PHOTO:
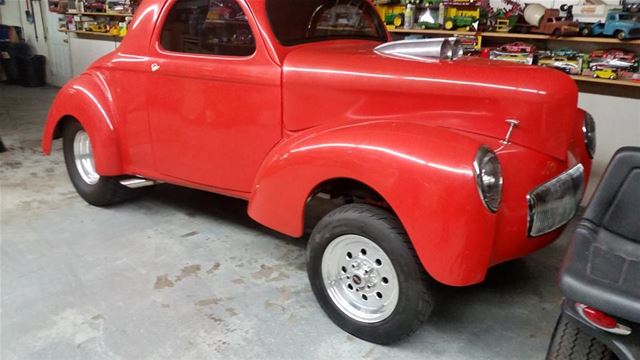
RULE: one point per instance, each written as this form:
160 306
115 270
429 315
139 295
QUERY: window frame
380 26
161 22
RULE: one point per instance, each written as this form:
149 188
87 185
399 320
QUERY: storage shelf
99 14
606 81
520 36
91 33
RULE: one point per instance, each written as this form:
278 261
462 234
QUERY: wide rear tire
95 189
366 275
569 342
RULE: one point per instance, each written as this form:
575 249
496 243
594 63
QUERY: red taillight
601 320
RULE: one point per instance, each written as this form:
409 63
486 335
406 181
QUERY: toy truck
461 13
620 24
548 21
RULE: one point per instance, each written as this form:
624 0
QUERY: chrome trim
585 132
136 183
422 49
512 125
532 203
477 173
83 158
619 330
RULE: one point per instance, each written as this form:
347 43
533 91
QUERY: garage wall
13 13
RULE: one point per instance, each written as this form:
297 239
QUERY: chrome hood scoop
422 49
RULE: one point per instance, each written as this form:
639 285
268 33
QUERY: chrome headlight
589 131
488 176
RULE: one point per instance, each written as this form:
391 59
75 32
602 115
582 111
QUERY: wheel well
60 126
331 194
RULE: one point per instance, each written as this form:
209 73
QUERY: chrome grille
556 202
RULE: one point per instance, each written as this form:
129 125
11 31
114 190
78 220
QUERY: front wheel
569 342
366 276
78 156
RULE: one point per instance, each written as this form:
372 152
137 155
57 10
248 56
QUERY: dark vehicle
600 276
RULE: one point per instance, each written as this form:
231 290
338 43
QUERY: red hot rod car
418 163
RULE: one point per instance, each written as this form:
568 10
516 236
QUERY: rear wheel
449 24
620 35
366 276
569 342
95 189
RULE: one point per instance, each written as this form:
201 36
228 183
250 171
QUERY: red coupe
410 163
518 47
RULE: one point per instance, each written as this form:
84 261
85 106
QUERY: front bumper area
553 204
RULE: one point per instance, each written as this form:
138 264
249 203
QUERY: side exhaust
137 183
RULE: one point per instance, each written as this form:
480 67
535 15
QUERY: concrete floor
186 274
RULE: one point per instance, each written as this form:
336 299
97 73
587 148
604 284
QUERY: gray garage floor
186 274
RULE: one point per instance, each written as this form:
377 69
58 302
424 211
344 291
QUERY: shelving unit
90 33
99 14
507 37
603 40
606 81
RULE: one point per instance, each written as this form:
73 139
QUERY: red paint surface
271 127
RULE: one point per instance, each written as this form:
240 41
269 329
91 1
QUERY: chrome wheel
360 278
83 157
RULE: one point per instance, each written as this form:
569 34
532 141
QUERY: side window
213 27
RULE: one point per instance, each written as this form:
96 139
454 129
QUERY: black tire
107 191
415 299
620 35
569 342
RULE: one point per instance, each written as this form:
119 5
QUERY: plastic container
33 71
10 55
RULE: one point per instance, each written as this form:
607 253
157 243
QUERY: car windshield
302 21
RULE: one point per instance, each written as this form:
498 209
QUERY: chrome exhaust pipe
137 183
440 48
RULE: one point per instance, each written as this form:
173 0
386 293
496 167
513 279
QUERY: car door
213 94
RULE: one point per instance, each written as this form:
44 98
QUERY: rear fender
424 173
87 100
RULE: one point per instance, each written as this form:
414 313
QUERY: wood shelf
93 33
99 14
588 39
634 83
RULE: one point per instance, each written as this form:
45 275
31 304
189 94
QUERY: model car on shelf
490 169
622 25
518 47
599 278
615 58
515 57
564 52
570 65
605 73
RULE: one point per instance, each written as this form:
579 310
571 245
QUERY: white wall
617 125
13 13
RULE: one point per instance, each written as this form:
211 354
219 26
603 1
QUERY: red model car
418 163
518 47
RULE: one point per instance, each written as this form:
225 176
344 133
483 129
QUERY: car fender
424 173
88 100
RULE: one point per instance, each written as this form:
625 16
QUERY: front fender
424 173
87 99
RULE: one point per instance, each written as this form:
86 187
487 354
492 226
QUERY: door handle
155 67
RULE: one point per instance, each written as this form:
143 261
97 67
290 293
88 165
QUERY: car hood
347 81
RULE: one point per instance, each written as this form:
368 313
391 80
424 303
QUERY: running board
136 183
